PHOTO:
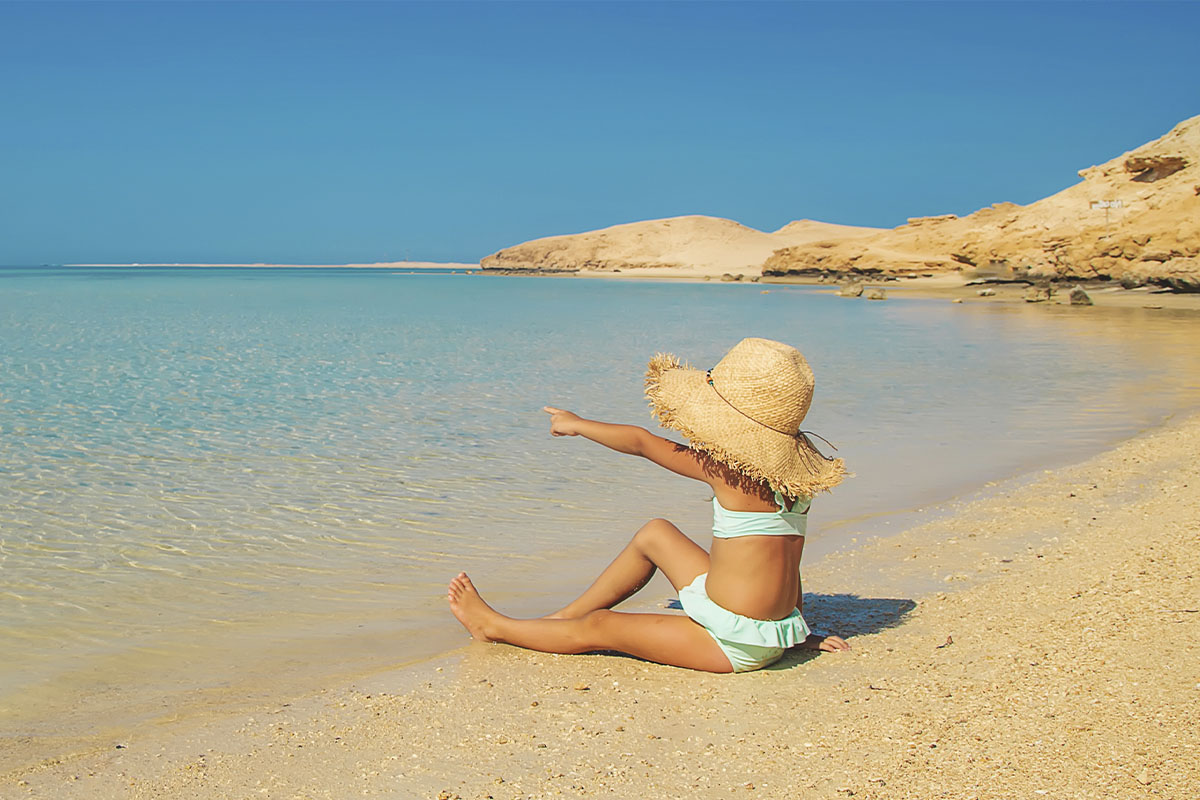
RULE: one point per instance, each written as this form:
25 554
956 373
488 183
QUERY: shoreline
948 286
1027 608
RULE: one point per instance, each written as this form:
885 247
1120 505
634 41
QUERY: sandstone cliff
1149 233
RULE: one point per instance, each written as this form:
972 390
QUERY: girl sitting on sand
743 600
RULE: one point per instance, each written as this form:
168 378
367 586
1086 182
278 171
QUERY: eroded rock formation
1135 219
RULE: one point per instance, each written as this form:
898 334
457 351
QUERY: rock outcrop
1135 219
1078 297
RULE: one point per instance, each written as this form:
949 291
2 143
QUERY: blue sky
341 132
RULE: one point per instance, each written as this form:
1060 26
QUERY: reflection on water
250 479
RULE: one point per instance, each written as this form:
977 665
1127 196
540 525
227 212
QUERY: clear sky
352 132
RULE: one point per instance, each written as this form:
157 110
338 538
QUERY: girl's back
754 575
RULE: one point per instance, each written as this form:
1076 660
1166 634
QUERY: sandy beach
1051 650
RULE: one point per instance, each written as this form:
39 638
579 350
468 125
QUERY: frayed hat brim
682 399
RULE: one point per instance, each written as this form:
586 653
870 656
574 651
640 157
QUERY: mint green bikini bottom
748 643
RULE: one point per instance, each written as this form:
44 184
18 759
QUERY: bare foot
469 607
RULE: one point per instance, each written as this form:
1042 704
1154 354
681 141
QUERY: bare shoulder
738 492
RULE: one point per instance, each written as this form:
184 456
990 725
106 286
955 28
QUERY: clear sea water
219 484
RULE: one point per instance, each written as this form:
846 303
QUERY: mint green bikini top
731 524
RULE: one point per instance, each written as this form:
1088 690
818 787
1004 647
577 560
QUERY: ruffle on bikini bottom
725 624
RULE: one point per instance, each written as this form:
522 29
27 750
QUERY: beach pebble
956 300
581 687
1143 777
986 293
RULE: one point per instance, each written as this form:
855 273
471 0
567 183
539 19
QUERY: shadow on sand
846 615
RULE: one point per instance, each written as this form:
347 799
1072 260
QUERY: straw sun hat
746 412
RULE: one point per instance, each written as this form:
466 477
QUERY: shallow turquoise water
233 478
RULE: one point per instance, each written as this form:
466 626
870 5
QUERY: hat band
708 377
796 435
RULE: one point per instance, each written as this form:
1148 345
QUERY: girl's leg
662 638
657 544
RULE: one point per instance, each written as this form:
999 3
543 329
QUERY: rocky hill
694 244
1135 219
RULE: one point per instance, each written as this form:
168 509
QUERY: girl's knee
594 620
655 529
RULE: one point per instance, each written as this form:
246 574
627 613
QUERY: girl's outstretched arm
632 440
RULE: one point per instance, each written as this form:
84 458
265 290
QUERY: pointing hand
562 423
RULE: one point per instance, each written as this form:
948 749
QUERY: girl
743 600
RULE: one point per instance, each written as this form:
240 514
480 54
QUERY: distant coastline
1130 222
377 265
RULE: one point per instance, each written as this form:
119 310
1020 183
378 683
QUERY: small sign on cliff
1107 205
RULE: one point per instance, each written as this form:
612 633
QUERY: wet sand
1052 651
